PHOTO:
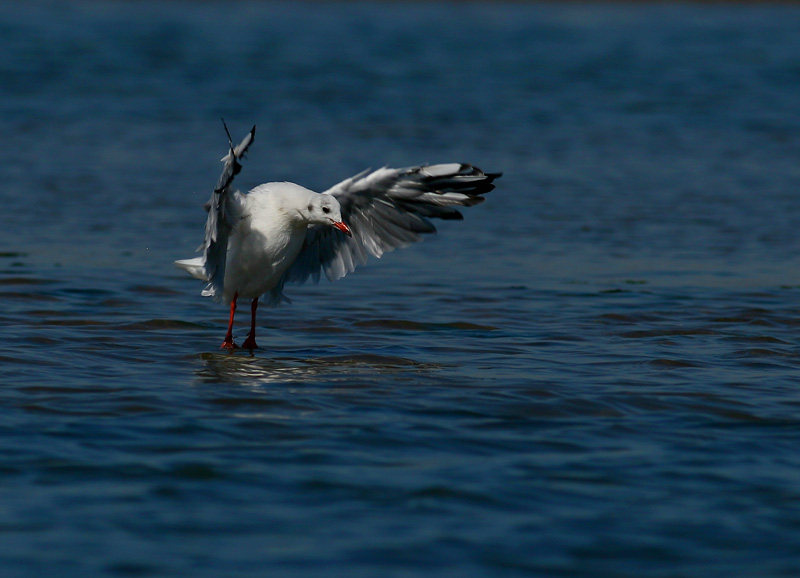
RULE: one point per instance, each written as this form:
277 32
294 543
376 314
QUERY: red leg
250 342
228 343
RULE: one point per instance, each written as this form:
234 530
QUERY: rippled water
595 374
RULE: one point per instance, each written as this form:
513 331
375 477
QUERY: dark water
595 374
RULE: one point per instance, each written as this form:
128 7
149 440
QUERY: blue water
597 373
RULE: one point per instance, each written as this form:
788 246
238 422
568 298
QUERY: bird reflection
226 368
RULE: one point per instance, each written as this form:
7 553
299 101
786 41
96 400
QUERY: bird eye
326 210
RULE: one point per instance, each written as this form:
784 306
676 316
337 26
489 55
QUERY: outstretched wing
220 220
387 209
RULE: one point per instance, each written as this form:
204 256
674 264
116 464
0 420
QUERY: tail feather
195 267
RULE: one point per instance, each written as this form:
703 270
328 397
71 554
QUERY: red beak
343 228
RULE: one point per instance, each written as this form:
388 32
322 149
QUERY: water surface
595 374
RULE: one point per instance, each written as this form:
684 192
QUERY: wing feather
387 209
223 209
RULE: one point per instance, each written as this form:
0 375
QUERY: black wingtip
227 132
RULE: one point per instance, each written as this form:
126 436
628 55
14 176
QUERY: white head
325 210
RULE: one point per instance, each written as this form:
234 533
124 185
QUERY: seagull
280 232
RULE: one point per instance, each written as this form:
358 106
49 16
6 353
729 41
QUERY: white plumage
281 232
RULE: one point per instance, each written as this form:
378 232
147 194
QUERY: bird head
325 210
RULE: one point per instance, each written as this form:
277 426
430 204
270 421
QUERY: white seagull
281 232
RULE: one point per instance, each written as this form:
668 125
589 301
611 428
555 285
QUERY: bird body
282 232
266 241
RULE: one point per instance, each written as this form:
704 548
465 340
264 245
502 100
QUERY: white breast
265 241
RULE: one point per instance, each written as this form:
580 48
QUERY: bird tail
195 267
